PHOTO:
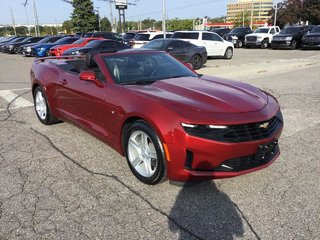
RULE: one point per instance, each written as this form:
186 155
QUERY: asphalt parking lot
58 182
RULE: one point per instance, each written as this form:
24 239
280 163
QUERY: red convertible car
167 120
59 50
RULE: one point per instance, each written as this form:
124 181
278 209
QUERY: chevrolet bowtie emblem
264 125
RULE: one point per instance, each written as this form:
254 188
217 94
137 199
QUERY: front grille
264 155
251 38
251 132
239 133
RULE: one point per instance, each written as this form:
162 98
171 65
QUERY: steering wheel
149 66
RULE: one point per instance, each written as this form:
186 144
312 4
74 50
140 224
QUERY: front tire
264 44
228 54
196 62
144 153
240 44
294 44
42 108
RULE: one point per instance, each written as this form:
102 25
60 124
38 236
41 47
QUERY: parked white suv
261 37
214 44
143 38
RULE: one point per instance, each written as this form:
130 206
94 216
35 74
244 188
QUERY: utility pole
13 23
164 14
35 18
25 10
251 20
111 18
275 15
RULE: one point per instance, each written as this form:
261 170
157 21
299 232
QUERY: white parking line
18 102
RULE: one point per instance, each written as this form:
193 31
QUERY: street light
164 13
25 10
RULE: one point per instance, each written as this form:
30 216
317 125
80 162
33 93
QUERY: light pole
251 19
13 23
164 13
275 14
25 10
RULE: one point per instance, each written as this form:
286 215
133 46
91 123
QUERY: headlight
288 38
213 132
11 46
260 37
28 48
234 37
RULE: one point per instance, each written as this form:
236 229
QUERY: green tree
83 18
311 11
67 26
289 12
243 19
105 24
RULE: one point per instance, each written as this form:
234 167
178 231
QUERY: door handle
63 81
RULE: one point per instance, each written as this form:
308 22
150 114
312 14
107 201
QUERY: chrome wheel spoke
142 154
41 106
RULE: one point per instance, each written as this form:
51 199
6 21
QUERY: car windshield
156 44
45 40
94 43
17 40
316 30
262 30
129 36
237 30
64 40
145 67
81 40
142 37
290 30
26 40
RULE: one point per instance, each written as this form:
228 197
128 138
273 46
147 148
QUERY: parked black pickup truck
237 36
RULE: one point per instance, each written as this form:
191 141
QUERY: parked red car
166 119
59 50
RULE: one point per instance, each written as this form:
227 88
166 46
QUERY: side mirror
87 76
90 76
188 65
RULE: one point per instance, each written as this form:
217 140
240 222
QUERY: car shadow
201 211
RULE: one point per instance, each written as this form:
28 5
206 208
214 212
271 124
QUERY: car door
82 102
177 49
214 44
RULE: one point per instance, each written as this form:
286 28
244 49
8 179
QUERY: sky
57 11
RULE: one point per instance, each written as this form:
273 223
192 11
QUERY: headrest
90 62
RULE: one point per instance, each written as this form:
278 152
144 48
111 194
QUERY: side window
210 37
272 31
176 45
157 36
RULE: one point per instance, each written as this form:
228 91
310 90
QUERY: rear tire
42 108
196 62
144 153
228 54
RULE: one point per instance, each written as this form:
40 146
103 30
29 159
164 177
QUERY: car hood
286 35
234 34
206 94
312 35
257 34
67 46
45 45
29 45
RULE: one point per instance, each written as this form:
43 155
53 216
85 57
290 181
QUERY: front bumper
202 159
253 44
281 44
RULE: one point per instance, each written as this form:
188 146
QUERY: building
261 10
